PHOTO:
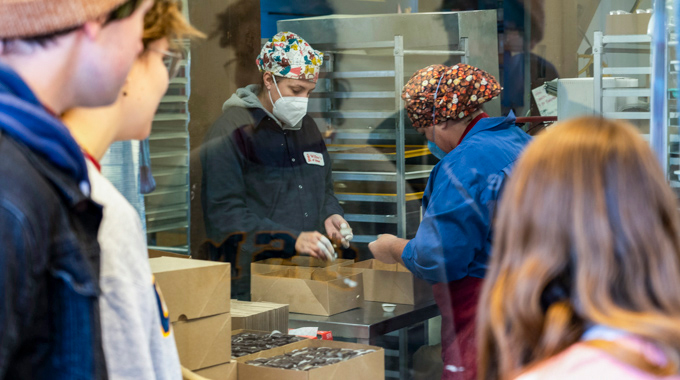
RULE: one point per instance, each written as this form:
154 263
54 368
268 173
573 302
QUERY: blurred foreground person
584 279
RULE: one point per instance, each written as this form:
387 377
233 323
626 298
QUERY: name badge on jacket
314 158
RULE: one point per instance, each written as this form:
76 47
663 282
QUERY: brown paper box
270 265
227 371
366 367
627 24
204 342
193 288
276 351
392 283
262 316
309 290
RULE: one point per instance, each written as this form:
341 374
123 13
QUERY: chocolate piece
249 343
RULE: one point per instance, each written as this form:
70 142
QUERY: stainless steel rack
167 208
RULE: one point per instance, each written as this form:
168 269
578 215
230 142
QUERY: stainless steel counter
367 322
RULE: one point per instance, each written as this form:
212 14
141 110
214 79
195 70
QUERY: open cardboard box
270 352
392 283
366 367
193 288
204 342
270 265
309 290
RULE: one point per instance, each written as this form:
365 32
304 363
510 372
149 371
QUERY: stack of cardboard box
260 316
197 294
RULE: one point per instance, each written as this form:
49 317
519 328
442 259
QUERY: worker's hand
387 248
316 245
338 229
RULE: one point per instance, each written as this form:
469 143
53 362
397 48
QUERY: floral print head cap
287 55
459 91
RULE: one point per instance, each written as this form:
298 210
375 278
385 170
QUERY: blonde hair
587 232
165 20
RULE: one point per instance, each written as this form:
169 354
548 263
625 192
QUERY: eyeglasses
172 61
124 10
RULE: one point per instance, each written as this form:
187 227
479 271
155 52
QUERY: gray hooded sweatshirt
246 97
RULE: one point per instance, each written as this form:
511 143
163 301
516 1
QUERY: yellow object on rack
388 150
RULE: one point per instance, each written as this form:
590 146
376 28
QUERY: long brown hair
587 232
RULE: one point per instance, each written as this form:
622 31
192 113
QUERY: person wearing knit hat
54 55
453 242
267 174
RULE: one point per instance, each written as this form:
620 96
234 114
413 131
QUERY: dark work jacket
49 255
258 187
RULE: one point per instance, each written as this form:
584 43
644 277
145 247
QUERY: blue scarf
25 119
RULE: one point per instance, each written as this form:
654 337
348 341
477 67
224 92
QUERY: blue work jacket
454 238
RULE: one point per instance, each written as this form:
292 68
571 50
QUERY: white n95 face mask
289 109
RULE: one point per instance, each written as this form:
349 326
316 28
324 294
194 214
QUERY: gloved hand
316 245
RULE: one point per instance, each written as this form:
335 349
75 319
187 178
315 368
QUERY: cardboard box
226 371
366 367
309 290
193 288
270 265
627 24
262 316
204 342
270 352
392 283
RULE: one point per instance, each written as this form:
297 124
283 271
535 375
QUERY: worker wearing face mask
453 242
267 189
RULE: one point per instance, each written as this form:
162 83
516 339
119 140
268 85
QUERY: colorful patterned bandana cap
460 90
289 56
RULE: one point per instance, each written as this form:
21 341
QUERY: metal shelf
357 74
168 136
392 219
167 190
162 152
160 227
162 171
412 172
640 92
171 117
355 115
627 39
355 95
353 152
175 99
376 198
156 217
166 209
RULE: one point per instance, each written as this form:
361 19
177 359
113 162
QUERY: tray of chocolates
247 343
309 358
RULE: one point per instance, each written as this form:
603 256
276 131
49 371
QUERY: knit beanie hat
31 18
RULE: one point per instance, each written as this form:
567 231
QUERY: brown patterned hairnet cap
31 18
459 91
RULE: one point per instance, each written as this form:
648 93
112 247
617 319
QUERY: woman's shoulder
581 361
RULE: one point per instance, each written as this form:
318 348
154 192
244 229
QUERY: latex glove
334 228
315 245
